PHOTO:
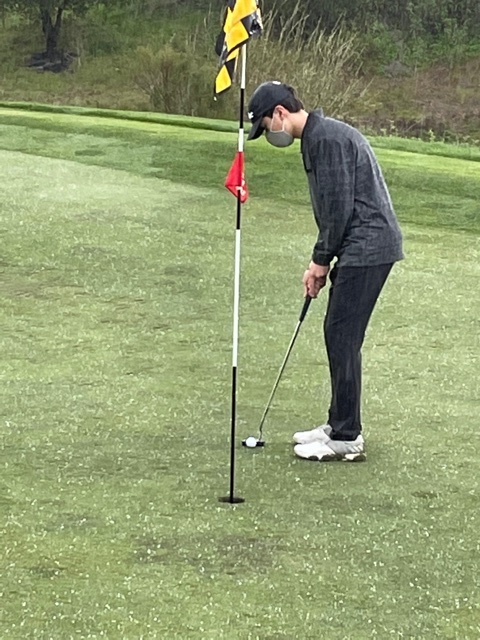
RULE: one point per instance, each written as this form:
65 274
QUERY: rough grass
116 285
440 102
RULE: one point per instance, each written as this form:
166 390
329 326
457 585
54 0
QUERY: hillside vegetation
390 69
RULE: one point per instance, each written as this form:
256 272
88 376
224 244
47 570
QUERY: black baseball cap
265 98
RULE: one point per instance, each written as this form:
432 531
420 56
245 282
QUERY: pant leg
352 298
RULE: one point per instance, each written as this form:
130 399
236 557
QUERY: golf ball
251 442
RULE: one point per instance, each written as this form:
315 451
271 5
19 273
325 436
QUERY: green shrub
380 47
178 82
94 33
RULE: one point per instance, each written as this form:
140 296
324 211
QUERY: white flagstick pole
236 299
241 143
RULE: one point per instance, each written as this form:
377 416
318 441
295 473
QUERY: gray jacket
353 209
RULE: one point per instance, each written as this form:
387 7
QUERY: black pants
351 300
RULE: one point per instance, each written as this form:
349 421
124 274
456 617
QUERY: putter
253 442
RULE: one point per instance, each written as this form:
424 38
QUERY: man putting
358 229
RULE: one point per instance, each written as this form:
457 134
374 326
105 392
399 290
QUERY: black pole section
241 118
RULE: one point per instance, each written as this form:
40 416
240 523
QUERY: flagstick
236 299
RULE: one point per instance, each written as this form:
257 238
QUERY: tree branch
58 21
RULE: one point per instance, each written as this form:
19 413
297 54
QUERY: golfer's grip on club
306 305
315 279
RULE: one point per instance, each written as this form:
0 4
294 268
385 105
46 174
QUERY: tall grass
324 67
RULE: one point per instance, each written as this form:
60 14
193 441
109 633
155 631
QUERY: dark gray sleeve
333 196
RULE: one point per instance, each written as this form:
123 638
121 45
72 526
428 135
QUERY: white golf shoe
319 434
349 451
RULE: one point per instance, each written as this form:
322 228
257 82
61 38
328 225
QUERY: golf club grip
306 305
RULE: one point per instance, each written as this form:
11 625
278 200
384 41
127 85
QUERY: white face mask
279 138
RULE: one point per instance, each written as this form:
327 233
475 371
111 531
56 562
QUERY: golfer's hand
314 279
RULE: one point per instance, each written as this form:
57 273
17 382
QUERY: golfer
359 240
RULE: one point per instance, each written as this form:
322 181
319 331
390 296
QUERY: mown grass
443 191
463 151
116 292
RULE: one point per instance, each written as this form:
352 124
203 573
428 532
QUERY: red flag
235 181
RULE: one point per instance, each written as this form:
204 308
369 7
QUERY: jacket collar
313 117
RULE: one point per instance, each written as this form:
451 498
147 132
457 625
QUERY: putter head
253 443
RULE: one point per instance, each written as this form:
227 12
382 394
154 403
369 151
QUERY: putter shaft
303 313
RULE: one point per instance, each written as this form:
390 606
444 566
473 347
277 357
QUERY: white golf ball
251 442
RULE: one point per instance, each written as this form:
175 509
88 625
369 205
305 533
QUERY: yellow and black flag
242 21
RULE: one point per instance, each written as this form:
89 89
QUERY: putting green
116 296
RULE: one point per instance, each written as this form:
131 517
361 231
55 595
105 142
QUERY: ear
282 112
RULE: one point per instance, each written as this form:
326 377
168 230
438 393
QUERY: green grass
439 99
443 190
116 291
412 145
105 41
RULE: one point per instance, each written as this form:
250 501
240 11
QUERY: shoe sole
295 442
335 457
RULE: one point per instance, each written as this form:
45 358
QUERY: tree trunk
51 31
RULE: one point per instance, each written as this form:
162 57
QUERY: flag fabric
242 21
235 181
